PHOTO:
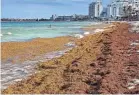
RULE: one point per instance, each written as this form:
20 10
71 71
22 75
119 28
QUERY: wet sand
103 63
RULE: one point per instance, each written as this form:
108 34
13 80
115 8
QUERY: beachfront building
104 13
135 5
74 17
64 18
95 9
80 17
116 8
53 17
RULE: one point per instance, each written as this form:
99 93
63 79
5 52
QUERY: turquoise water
23 31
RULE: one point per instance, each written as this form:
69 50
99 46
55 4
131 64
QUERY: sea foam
9 33
1 35
79 36
70 44
98 30
86 33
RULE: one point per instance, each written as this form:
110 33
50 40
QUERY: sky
44 8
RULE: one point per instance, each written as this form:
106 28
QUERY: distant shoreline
48 21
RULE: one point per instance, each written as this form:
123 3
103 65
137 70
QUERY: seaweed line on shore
103 63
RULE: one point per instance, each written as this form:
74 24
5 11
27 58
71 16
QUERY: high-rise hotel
95 9
116 8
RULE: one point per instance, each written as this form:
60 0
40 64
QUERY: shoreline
78 44
20 53
8 48
100 64
106 59
80 31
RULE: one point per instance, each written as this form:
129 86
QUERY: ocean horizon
24 31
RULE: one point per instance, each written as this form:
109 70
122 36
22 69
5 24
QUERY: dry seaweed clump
97 66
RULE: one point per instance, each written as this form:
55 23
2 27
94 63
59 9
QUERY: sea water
24 31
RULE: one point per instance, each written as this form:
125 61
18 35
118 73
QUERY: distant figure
50 26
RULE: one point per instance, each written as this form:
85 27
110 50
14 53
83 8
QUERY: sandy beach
103 63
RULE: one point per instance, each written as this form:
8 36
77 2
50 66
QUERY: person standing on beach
50 26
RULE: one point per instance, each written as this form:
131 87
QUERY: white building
135 4
116 8
53 17
95 9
